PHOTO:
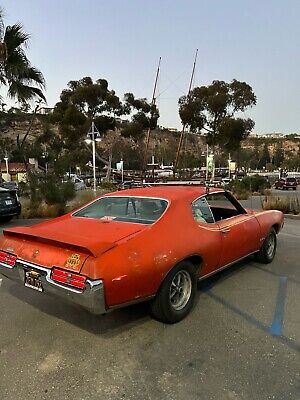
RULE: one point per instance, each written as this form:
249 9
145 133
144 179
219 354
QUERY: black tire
162 307
265 256
6 219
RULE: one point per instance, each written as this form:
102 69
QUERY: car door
208 236
239 230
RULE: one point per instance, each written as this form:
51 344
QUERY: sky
256 41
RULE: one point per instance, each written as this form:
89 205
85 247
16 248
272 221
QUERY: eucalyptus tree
216 110
143 116
81 102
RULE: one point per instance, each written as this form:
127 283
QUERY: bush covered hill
45 137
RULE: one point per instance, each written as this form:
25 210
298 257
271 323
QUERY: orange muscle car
139 244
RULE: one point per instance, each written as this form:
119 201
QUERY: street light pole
93 136
6 163
94 156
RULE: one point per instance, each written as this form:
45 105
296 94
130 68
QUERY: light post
6 163
92 137
45 156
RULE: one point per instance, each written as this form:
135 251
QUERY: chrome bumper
91 298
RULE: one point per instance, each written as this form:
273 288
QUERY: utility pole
153 101
184 126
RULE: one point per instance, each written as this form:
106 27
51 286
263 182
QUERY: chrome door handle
225 230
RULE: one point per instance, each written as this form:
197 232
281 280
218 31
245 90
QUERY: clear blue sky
255 41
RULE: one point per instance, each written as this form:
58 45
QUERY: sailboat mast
184 126
153 100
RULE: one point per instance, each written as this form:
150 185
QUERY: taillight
7 258
68 278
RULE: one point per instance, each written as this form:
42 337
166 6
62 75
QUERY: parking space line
277 324
253 321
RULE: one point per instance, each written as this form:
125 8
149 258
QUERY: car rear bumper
10 211
91 298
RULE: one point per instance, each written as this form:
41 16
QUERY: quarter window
202 212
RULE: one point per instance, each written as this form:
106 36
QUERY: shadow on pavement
109 324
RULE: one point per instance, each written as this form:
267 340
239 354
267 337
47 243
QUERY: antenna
153 100
184 126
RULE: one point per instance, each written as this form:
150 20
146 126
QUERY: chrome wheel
180 290
270 246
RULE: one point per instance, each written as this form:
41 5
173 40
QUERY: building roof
13 167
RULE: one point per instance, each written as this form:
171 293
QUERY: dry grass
44 210
285 204
83 197
242 195
41 210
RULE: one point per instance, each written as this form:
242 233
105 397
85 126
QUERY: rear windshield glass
126 209
291 179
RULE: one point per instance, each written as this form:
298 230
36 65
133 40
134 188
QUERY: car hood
84 234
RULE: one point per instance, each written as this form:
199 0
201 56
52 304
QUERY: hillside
163 143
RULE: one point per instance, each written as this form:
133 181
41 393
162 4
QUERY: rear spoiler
94 249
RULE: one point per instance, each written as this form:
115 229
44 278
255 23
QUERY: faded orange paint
133 259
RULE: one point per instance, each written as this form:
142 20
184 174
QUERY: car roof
170 193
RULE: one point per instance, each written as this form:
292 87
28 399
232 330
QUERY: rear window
291 179
126 209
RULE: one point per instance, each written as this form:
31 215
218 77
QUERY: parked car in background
286 183
129 185
9 204
79 184
11 185
145 244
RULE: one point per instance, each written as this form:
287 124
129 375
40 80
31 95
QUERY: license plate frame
32 280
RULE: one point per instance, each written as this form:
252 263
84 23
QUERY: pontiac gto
139 244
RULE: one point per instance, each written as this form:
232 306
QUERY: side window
202 212
222 207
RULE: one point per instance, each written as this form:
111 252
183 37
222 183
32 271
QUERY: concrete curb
291 216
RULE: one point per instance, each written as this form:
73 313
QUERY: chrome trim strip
48 277
131 303
6 265
91 297
225 266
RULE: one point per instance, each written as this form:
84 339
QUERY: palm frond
24 81
15 37
24 93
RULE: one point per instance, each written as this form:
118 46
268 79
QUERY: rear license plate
33 280
8 202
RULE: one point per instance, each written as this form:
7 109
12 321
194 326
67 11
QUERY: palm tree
24 82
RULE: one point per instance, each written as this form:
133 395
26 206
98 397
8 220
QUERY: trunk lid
67 241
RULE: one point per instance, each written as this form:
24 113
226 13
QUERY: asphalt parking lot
241 341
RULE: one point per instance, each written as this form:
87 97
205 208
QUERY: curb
291 216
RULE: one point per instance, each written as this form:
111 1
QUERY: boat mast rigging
184 125
153 102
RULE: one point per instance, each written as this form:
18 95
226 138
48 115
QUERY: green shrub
55 192
254 183
67 191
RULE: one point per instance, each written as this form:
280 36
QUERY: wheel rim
271 246
180 290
